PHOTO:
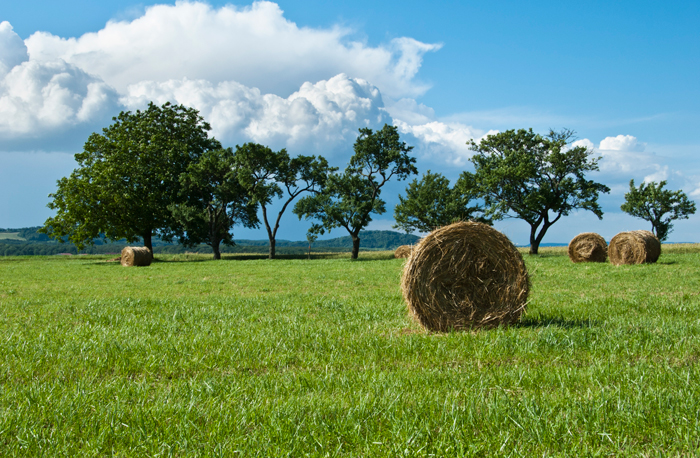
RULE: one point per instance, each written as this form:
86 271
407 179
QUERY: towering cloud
320 116
255 46
253 74
39 98
12 49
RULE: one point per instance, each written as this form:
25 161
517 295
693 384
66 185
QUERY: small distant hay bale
634 247
136 256
465 276
403 251
588 247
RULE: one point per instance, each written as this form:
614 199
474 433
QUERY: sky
306 75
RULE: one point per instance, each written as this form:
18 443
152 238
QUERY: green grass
250 357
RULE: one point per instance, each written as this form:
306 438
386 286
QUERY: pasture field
10 236
295 357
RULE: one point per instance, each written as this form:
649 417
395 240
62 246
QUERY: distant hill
26 241
375 240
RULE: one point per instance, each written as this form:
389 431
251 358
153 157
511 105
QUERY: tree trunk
273 242
270 233
536 239
355 246
534 246
148 243
215 249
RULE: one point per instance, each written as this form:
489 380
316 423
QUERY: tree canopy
538 179
431 203
651 202
128 176
267 174
213 201
349 199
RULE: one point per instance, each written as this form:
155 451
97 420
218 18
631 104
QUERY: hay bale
588 247
136 256
634 247
403 251
463 276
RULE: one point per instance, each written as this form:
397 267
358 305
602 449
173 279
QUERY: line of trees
538 179
158 173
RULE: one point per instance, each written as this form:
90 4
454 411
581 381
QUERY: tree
128 176
431 203
267 174
651 202
311 238
213 201
349 199
534 178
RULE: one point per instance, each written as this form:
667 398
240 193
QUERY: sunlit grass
296 357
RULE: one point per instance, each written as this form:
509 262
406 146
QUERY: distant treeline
27 242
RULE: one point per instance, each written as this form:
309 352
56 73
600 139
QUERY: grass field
250 357
10 236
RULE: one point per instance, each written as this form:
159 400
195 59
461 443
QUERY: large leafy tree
349 199
268 174
538 179
651 202
213 201
128 176
431 203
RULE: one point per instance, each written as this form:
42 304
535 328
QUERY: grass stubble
250 357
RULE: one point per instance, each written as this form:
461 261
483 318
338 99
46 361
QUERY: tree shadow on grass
559 322
166 258
278 257
377 258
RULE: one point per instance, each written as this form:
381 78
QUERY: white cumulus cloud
586 143
443 142
12 49
624 158
255 46
624 154
696 192
253 75
318 116
622 143
37 98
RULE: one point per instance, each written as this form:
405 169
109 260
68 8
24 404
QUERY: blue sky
306 75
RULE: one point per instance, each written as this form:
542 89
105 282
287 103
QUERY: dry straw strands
136 256
403 251
588 247
634 247
463 276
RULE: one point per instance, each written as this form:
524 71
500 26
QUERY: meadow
297 357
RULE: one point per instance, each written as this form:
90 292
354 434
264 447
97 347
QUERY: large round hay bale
463 276
403 251
634 247
588 247
136 256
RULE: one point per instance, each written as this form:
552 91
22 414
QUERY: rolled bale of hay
403 251
634 247
588 247
136 256
465 276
